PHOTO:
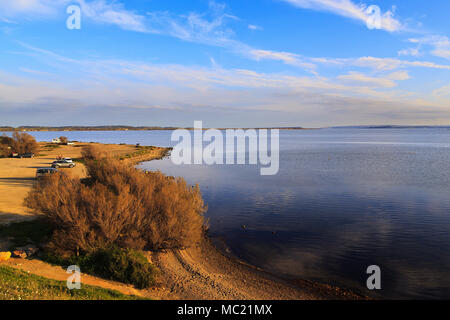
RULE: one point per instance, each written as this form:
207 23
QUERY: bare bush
119 205
6 141
24 143
4 151
94 152
64 140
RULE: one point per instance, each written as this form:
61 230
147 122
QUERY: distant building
57 140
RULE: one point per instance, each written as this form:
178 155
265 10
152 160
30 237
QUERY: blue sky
229 63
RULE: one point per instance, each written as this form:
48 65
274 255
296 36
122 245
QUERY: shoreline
203 272
111 128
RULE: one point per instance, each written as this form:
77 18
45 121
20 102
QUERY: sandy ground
204 273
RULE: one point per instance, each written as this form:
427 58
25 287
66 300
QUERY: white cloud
351 10
102 11
26 7
440 45
286 57
386 64
378 64
254 27
388 81
99 11
443 92
399 76
414 52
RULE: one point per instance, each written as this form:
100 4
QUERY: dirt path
48 271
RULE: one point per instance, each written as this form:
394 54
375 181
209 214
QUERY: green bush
20 234
113 263
125 265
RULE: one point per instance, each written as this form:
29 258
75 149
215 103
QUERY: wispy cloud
286 57
254 27
98 11
440 45
388 81
379 64
348 9
413 52
210 27
102 11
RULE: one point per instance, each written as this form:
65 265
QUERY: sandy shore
199 273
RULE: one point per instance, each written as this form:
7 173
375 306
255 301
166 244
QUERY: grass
79 160
140 151
23 233
51 146
19 285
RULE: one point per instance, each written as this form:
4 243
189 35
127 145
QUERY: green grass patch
140 151
79 160
19 285
51 146
27 232
113 263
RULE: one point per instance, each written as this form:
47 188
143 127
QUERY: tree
63 140
5 144
5 140
4 151
24 143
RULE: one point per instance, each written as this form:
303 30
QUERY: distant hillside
391 127
113 128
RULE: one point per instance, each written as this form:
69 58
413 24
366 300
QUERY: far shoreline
113 128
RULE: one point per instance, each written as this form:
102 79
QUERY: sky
235 63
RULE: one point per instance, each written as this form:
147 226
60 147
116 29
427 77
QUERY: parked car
68 160
27 155
14 155
63 164
44 172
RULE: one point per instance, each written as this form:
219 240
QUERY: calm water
344 199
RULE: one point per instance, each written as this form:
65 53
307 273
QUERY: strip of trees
20 143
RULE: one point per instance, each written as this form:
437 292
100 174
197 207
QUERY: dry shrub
64 140
95 152
5 140
24 143
119 205
4 151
